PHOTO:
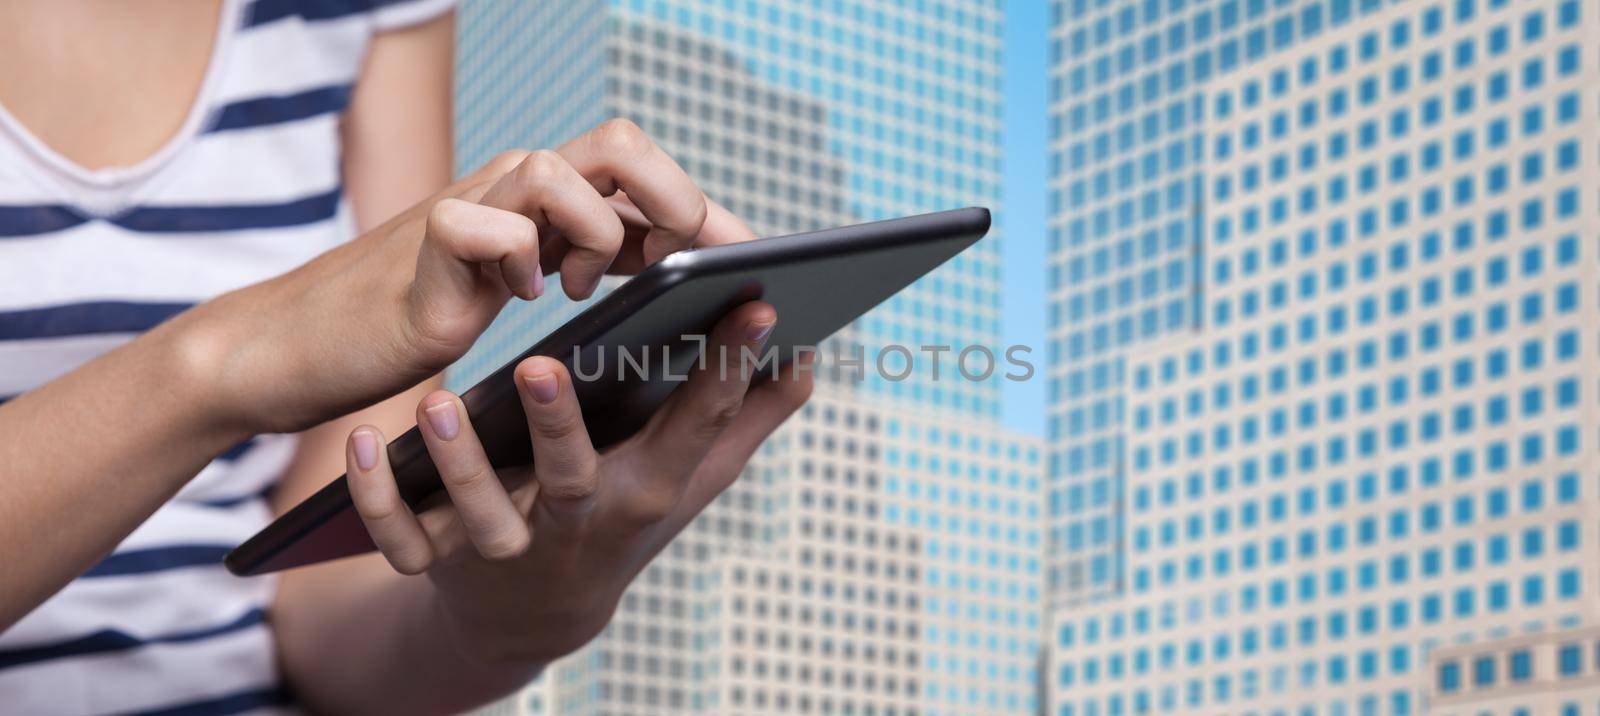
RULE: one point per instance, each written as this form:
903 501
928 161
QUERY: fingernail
538 280
758 331
366 449
543 386
444 421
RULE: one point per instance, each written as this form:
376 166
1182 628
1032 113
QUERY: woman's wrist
193 356
497 652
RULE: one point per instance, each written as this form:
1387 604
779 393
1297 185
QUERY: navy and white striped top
249 188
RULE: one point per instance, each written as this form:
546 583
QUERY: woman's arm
397 150
356 636
149 406
86 458
353 635
335 623
397 131
517 577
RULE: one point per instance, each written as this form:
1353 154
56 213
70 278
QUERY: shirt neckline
109 190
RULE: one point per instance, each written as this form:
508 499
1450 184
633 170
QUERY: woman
161 164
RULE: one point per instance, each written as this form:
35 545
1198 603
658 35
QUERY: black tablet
818 282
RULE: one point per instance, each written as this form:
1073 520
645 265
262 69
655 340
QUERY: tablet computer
819 282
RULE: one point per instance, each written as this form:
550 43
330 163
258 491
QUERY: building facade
903 576
1541 673
1124 194
882 554
1355 470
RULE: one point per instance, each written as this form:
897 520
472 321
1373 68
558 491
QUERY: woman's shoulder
312 50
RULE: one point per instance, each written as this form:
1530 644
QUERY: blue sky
1023 213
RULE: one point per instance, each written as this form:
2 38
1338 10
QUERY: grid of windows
1553 672
1368 440
918 595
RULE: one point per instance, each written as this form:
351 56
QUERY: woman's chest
107 83
250 188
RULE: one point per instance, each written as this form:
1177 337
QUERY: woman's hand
531 574
400 303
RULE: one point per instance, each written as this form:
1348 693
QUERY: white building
1366 463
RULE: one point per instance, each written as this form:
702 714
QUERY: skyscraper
1125 94
902 575
1346 469
881 555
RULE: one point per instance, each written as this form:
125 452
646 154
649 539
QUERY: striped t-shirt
248 189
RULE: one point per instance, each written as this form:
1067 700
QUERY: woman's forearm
356 637
86 458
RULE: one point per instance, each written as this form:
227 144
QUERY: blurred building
898 576
1125 132
881 555
1325 303
1539 673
